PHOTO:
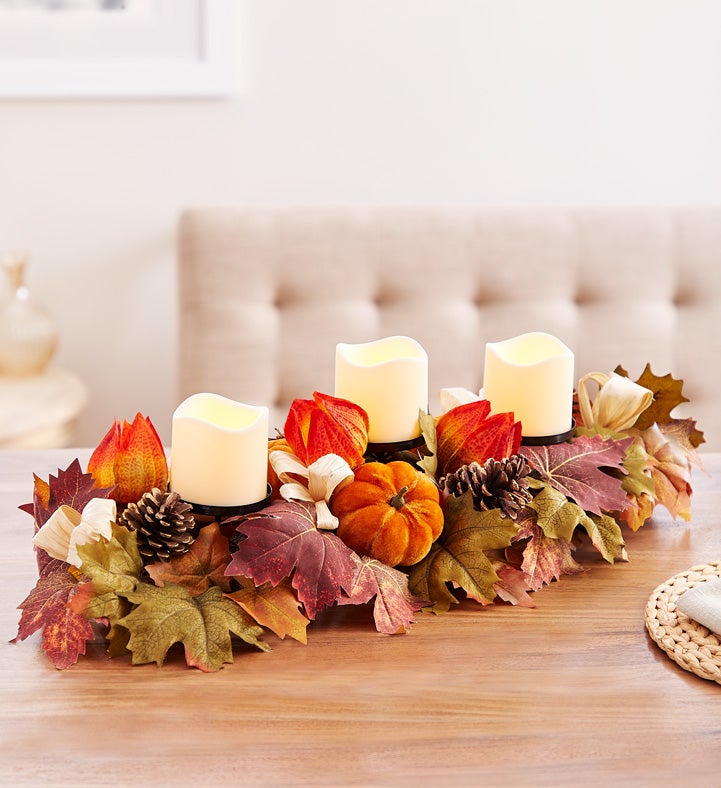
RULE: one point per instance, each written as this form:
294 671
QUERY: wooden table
573 692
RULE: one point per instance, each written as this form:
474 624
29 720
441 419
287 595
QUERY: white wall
542 102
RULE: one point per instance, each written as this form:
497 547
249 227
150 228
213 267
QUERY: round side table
39 412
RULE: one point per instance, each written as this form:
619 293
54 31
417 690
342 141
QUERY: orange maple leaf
274 607
202 566
638 510
46 608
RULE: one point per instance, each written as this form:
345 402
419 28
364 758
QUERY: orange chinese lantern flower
468 434
327 425
130 457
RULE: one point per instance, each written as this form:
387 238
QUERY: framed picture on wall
117 48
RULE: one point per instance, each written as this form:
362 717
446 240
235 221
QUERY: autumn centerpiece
474 513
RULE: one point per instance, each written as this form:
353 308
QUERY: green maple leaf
117 638
606 536
114 568
458 556
558 518
636 462
168 615
603 432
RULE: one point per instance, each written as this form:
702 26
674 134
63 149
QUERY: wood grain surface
573 692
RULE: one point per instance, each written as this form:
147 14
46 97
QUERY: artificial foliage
473 514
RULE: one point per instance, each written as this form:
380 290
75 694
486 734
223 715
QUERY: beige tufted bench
265 295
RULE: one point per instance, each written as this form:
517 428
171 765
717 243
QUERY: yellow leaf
638 511
558 518
638 480
429 463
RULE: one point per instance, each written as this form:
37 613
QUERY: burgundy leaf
575 470
71 487
544 559
283 541
394 606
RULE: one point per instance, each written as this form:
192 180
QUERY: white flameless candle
219 451
531 375
388 378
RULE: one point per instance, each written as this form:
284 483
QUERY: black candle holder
397 446
222 512
548 440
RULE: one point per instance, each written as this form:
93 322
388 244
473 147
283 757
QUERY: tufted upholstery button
582 298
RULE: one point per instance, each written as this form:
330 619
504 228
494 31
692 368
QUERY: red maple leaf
65 631
394 606
512 585
282 541
575 470
543 559
71 487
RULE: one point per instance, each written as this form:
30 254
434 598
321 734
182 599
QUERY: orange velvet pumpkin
390 512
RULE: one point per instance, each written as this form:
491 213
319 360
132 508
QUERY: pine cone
497 484
164 524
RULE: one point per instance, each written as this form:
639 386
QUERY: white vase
28 335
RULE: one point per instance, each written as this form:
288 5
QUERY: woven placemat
687 642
